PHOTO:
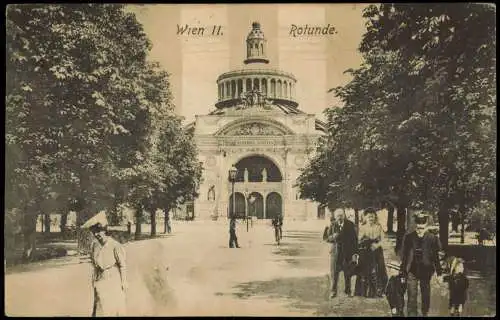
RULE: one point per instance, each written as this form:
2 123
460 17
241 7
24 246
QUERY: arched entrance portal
256 205
273 205
240 205
259 184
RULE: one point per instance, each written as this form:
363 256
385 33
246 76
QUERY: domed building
258 128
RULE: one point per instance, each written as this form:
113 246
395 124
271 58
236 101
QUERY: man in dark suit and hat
419 261
233 240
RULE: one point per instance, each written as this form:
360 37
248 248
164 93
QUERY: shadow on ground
301 249
311 294
305 250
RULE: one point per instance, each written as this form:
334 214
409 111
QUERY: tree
448 54
179 167
79 101
424 94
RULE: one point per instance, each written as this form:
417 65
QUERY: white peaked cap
98 218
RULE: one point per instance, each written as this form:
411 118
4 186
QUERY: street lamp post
247 198
251 199
232 177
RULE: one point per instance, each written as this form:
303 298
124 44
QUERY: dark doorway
256 209
273 205
321 212
240 205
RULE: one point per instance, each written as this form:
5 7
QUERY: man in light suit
342 235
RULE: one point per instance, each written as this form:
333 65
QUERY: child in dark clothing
458 285
395 291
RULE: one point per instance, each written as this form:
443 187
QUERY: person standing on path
280 224
233 240
458 285
342 235
276 222
109 278
168 222
419 261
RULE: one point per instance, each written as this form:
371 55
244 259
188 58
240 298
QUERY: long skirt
109 298
372 276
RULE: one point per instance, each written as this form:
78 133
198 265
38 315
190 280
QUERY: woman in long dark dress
372 276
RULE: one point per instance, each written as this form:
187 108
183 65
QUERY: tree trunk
82 216
444 221
29 234
47 223
153 223
455 220
113 215
166 211
115 219
401 217
64 221
462 229
356 219
138 222
390 219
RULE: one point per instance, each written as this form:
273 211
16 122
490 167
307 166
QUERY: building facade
258 128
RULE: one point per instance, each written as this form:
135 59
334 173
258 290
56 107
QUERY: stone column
264 202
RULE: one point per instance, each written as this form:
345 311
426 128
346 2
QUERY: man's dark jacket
346 242
430 252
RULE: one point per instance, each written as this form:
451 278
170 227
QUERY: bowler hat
421 218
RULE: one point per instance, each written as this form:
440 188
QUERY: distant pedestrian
233 240
280 221
420 259
276 222
129 227
482 236
342 235
109 278
168 222
458 285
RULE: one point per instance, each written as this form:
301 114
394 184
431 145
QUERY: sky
195 61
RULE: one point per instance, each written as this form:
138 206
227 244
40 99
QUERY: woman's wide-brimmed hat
97 222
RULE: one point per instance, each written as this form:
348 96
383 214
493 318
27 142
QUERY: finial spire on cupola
256 45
